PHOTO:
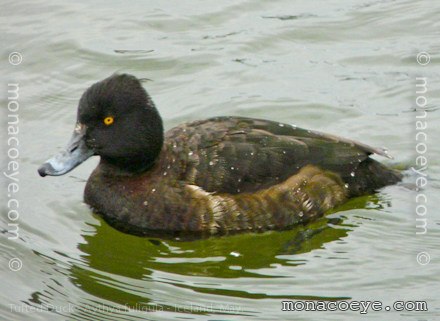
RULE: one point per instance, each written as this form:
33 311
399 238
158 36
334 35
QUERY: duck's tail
369 176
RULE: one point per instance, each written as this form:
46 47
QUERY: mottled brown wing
234 154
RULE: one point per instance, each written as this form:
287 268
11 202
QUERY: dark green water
343 67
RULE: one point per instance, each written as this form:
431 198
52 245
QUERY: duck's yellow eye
109 120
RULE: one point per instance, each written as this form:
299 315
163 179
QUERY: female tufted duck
210 177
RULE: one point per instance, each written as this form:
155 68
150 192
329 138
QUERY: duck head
116 120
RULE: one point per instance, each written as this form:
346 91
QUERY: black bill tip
45 169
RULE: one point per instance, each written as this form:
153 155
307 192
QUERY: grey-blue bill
74 154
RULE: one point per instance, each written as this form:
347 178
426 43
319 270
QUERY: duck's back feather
235 155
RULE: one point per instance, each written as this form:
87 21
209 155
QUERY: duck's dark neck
126 166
